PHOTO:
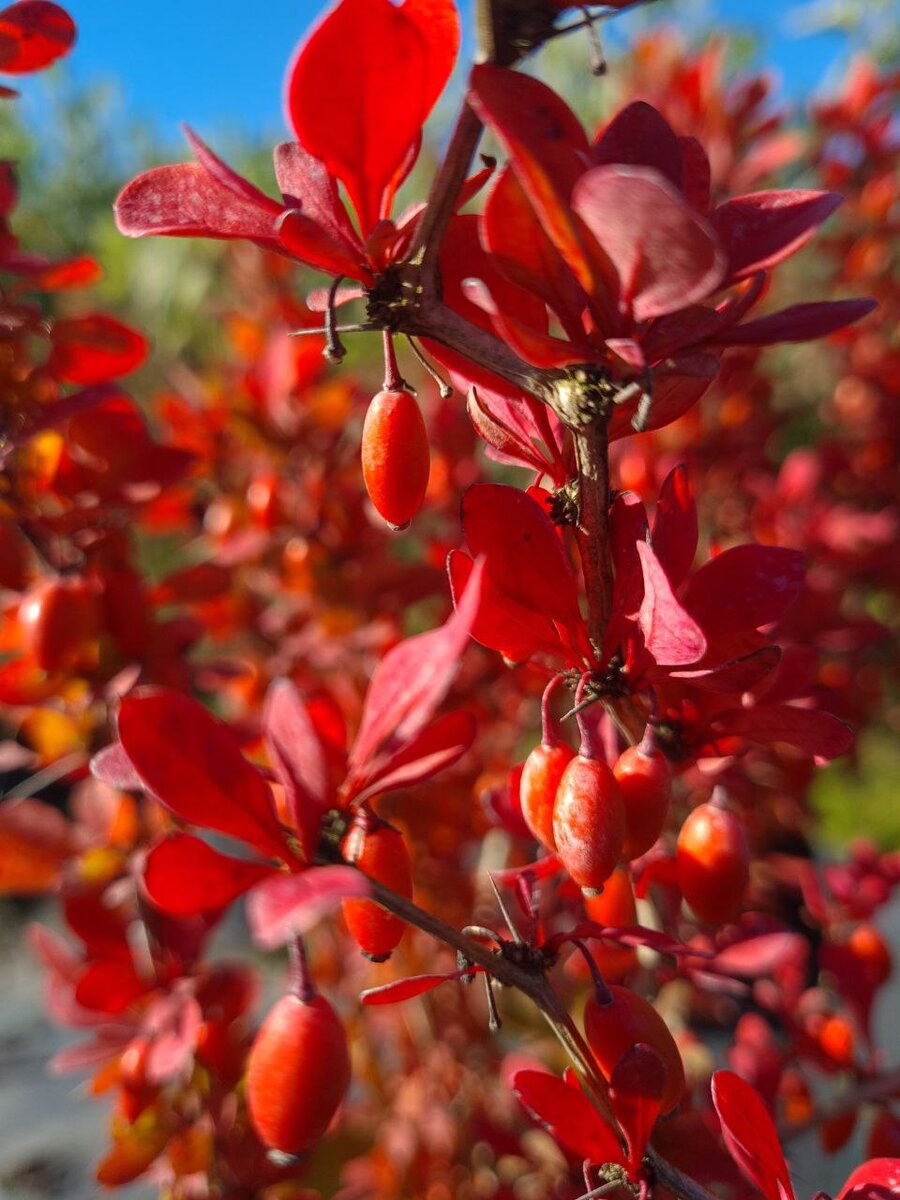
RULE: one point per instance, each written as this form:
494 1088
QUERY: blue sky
218 64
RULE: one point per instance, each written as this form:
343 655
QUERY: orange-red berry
713 863
380 852
589 822
395 456
59 618
298 1072
540 781
645 780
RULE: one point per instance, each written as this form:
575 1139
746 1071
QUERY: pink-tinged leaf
765 228
799 323
568 1115
305 184
666 255
735 676
818 734
435 748
53 952
185 876
671 635
760 956
877 1179
361 87
639 136
411 681
750 1135
415 985
506 442
286 905
674 536
184 200
33 34
299 758
673 395
173 1023
628 526
547 150
636 1089
624 935
302 238
87 1056
540 349
745 587
112 766
193 764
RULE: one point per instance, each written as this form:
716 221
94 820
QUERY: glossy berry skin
645 780
396 458
713 863
298 1072
382 853
612 1029
589 822
59 617
540 781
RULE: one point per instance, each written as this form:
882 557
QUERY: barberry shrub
558 737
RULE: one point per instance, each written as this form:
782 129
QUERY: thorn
510 923
334 350
494 1022
444 387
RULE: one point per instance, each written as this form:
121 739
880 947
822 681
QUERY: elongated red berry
589 822
645 780
713 863
298 1072
541 775
612 1029
381 852
395 456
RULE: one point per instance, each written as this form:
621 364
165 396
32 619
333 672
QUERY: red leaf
877 1179
70 273
185 876
305 184
799 323
568 1114
674 537
33 34
303 238
436 747
109 986
816 733
411 681
666 255
750 1135
505 441
361 87
287 905
765 228
624 935
523 554
736 676
193 764
299 759
636 1089
745 587
184 200
415 985
670 633
94 349
639 136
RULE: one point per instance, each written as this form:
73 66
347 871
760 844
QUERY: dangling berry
60 619
615 906
612 1028
713 862
298 1072
542 773
396 458
380 851
588 816
645 780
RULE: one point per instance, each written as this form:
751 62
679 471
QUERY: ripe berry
615 906
869 949
395 456
612 1029
541 776
589 822
298 1072
713 863
380 851
59 618
645 780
